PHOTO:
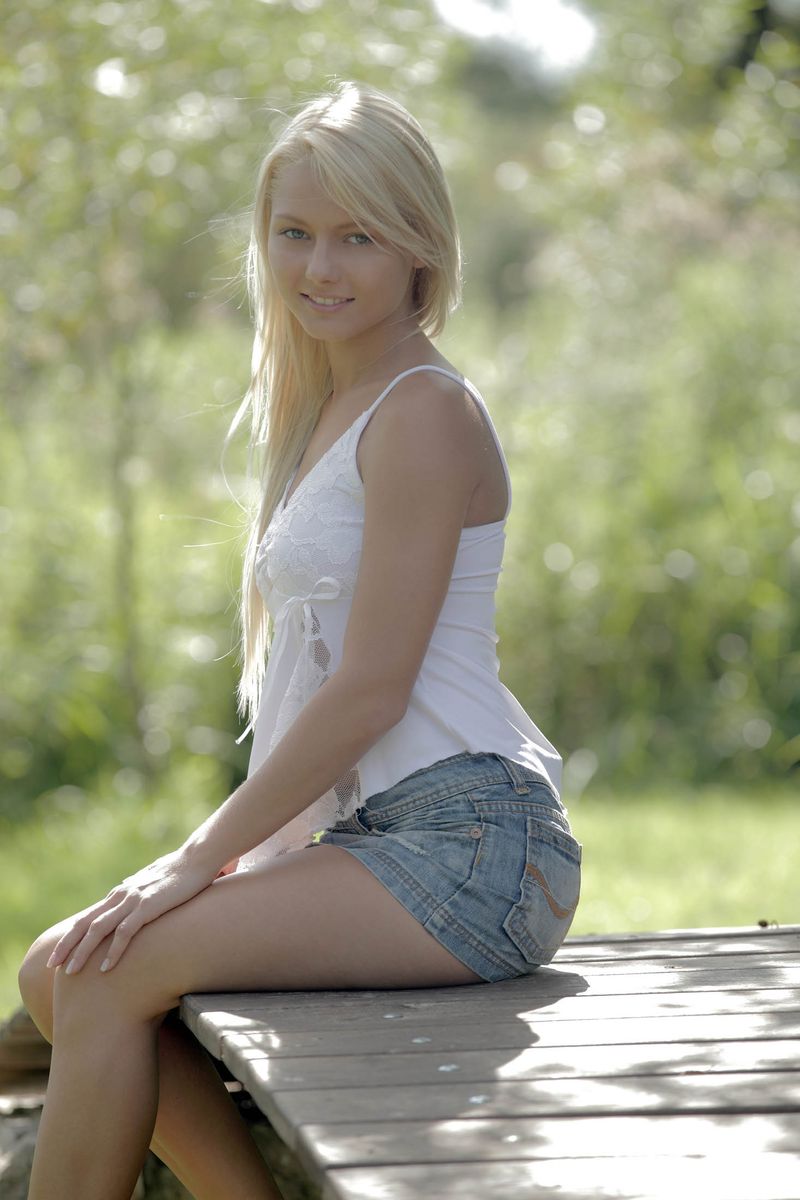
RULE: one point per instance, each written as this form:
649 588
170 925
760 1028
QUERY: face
340 281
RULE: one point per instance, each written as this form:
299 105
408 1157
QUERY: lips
327 301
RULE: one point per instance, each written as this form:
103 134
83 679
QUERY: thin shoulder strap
469 387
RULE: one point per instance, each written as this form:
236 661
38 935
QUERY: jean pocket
540 919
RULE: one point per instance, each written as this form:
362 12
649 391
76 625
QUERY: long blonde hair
374 160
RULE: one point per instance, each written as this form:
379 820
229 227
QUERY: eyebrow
300 221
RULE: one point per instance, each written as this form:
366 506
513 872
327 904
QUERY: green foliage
120 590
633 251
663 514
630 235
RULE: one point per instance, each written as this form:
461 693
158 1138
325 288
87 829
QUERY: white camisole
306 570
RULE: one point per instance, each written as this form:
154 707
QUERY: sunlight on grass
678 857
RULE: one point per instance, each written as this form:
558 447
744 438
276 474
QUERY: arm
419 476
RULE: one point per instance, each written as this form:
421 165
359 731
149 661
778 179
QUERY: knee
35 982
131 992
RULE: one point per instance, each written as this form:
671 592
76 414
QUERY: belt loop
512 769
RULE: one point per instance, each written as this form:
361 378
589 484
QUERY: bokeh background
626 174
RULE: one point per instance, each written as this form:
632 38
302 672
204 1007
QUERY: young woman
445 855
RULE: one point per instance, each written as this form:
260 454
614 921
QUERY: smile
327 301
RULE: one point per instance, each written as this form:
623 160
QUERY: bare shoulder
428 421
430 398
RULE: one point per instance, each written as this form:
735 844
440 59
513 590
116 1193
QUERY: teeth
327 300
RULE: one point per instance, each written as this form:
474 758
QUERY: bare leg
96 1072
314 919
198 1133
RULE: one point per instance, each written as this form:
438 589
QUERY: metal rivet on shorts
476 833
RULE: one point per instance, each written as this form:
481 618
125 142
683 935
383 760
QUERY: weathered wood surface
655 1066
768 1177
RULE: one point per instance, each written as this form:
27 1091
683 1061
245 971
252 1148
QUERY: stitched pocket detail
549 890
455 852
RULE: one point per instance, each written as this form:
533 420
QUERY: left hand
142 897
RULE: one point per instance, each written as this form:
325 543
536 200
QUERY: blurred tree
642 285
630 229
132 141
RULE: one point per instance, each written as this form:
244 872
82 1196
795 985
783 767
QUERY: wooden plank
536 1062
423 1038
764 1177
548 984
671 935
752 964
438 1009
272 1030
777 1091
652 951
719 983
532 1138
653 1004
573 1081
599 1076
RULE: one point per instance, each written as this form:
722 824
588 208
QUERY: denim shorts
479 849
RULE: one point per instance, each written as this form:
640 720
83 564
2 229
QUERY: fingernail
72 967
105 964
51 959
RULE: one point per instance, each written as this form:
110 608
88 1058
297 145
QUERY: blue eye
289 233
367 239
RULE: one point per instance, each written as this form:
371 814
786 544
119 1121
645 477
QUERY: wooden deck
643 1066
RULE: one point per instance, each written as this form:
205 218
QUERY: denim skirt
479 849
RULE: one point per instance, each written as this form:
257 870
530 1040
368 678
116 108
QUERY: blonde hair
374 160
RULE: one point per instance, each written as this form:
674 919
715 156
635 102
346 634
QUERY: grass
662 858
676 857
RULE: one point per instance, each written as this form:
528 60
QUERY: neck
356 367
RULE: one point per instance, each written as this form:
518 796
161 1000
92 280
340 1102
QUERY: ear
419 265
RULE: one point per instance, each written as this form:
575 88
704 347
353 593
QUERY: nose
321 266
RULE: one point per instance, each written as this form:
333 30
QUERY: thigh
314 918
